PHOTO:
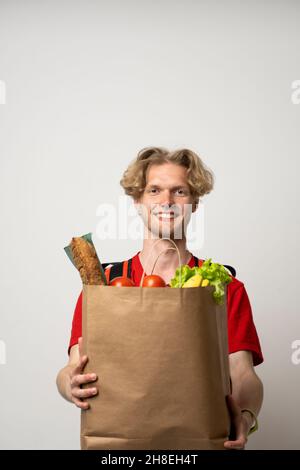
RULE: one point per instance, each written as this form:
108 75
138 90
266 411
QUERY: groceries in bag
82 253
209 274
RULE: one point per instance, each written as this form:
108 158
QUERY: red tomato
121 282
153 281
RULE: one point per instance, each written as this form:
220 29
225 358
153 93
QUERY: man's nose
167 199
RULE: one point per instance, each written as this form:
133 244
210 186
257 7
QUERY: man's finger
237 444
84 392
80 379
84 405
80 365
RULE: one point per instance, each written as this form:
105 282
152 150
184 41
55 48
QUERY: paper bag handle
170 248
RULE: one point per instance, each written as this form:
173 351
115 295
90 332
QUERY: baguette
86 261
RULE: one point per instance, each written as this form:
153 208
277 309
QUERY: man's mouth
166 215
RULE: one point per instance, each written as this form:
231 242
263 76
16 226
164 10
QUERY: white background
90 83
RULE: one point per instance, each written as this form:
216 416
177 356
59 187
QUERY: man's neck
168 260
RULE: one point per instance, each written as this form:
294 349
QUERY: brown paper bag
161 356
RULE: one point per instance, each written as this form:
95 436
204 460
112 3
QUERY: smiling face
166 204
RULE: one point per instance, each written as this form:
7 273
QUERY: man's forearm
63 382
247 390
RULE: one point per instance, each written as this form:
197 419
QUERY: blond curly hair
199 178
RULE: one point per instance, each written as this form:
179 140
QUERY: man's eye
153 190
181 192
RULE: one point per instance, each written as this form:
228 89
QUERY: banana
194 281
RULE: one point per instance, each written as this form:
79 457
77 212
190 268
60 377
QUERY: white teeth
166 216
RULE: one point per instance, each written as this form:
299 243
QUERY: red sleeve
242 333
77 323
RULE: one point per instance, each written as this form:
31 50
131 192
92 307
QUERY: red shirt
242 333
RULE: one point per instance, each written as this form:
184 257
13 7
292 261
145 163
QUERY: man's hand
77 378
240 423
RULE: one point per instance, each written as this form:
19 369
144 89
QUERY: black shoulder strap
196 260
129 268
231 269
117 268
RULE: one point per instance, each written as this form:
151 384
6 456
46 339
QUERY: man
166 187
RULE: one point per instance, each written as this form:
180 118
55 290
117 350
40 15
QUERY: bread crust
86 261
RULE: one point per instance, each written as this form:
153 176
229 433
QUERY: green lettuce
186 273
215 273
